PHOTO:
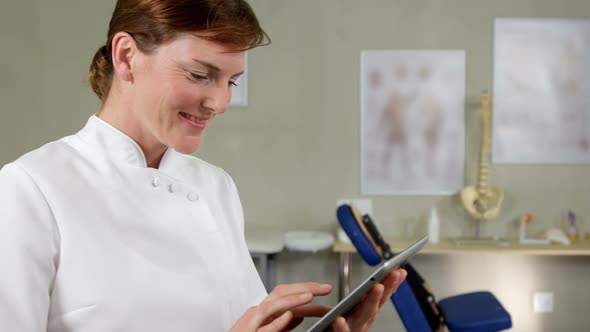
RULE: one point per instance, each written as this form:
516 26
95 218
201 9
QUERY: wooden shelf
581 248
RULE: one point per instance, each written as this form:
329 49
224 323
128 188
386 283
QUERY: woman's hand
287 305
284 308
365 313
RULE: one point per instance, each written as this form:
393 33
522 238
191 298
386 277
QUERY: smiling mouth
193 118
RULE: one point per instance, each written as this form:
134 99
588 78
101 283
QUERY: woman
117 228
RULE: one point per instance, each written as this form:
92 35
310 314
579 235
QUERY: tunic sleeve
29 251
235 204
256 289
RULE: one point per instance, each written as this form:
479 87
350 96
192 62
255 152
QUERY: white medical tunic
92 240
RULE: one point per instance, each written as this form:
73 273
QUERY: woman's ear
124 49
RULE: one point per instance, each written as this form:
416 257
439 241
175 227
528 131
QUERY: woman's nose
217 100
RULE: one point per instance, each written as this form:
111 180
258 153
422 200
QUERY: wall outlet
543 302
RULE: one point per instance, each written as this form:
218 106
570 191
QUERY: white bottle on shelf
433 226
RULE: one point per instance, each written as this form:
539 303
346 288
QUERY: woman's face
180 87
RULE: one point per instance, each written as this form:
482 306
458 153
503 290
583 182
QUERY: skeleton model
483 201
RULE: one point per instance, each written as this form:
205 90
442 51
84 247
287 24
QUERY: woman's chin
187 147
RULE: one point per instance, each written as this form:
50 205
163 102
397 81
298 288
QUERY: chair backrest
404 300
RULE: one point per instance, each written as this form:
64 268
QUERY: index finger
314 288
268 311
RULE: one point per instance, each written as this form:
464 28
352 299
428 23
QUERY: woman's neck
122 118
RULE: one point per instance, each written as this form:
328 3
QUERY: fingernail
325 287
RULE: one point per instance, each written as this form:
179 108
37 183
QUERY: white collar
116 144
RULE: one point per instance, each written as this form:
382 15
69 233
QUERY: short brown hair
154 22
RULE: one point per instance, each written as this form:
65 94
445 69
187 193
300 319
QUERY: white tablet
348 303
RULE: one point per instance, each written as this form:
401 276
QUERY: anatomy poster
542 91
239 97
412 121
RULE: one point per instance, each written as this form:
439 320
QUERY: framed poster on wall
239 97
542 91
412 121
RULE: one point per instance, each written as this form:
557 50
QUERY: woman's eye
199 77
232 83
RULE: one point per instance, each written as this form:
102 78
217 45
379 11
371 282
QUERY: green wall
295 149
